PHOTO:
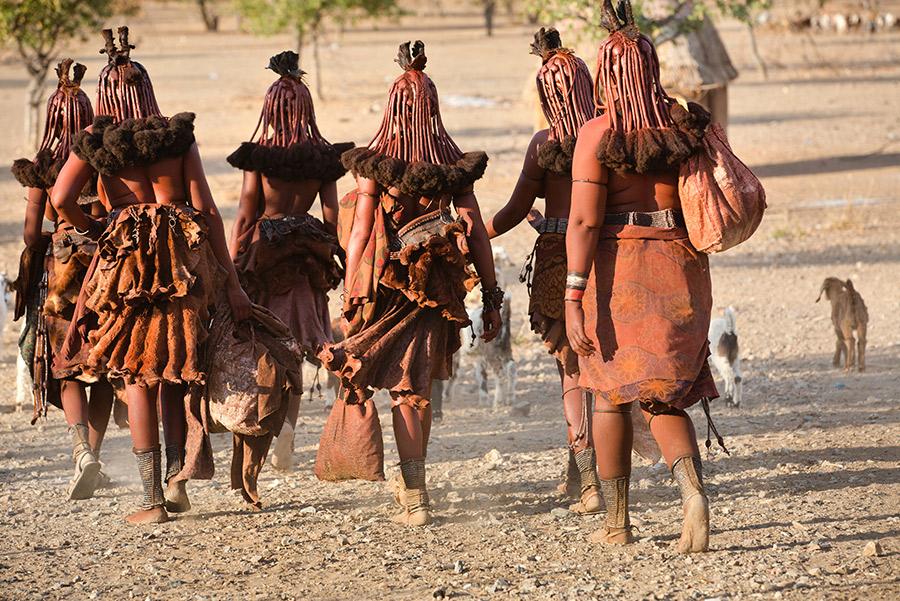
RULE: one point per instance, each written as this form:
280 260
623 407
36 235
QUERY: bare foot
154 515
177 500
419 517
695 531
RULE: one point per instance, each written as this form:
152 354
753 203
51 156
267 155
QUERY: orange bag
351 447
723 202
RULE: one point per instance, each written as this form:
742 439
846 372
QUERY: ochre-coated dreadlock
124 90
648 130
288 116
412 150
565 90
411 129
288 143
564 85
68 112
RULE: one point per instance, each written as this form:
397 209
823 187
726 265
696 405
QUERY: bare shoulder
594 129
540 137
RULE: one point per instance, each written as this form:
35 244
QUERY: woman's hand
575 330
241 307
492 323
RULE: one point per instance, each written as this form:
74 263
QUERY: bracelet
588 181
574 295
358 193
492 298
576 281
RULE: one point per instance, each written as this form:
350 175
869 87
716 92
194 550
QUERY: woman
286 258
160 264
407 272
638 295
68 112
565 90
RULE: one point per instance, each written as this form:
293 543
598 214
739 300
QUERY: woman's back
162 182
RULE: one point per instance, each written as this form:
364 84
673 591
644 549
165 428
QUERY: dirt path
813 473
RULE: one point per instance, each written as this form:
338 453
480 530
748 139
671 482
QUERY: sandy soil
813 473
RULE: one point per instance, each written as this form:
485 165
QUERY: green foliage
40 27
269 17
661 20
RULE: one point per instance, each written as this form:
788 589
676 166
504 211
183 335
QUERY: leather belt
666 218
553 225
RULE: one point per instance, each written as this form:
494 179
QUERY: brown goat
848 313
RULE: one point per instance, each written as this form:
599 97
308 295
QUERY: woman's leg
87 467
674 432
411 425
283 453
612 434
143 422
577 411
171 402
99 410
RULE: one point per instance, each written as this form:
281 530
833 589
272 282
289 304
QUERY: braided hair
412 129
288 116
648 129
124 89
68 110
564 85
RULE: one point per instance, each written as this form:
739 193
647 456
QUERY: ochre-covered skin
162 262
640 329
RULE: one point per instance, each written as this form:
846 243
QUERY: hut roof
696 61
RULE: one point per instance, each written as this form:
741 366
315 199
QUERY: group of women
139 262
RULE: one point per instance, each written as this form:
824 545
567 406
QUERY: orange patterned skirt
647 310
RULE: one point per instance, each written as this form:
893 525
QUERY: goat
848 313
725 355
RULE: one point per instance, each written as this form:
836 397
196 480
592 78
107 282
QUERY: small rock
501 584
459 567
309 509
439 593
493 459
872 549
560 513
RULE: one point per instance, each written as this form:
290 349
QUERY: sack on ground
723 202
351 447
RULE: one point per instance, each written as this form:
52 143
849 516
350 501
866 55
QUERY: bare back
282 197
162 182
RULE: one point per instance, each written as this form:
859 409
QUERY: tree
210 18
661 20
307 18
39 29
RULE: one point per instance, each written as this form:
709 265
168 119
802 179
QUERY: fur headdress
412 150
289 145
649 131
68 112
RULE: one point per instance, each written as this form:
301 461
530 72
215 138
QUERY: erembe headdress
412 150
68 112
130 130
566 93
286 143
649 130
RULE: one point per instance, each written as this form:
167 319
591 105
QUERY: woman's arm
248 210
72 179
202 200
363 222
34 217
529 187
589 179
480 248
329 198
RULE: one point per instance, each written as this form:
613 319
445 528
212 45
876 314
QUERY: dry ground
813 472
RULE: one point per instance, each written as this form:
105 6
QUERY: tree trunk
755 49
299 39
317 62
33 104
490 7
210 19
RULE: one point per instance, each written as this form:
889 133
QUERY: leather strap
667 218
